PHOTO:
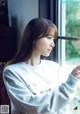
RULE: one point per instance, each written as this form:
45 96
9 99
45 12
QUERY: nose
52 44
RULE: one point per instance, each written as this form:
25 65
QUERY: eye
49 37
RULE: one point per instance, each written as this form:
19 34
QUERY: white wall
20 12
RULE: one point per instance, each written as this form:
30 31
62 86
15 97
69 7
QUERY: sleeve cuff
72 81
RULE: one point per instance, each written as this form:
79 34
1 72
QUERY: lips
50 49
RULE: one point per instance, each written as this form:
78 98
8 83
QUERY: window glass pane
69 26
70 17
73 19
72 49
72 59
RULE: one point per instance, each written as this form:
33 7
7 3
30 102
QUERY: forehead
51 32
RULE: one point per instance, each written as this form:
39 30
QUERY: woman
31 82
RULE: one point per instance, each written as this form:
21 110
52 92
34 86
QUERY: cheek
42 43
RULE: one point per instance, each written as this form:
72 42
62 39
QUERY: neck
34 60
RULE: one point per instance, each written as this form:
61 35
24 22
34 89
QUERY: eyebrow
50 35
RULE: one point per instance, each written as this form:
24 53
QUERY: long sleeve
48 101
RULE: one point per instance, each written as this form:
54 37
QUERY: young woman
32 82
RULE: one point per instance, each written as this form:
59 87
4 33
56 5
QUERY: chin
46 55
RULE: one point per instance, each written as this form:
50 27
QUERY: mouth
50 50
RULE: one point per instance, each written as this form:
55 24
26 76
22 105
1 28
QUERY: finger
75 71
77 68
76 74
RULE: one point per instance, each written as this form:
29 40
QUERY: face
45 45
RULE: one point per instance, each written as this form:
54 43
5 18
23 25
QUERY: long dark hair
35 29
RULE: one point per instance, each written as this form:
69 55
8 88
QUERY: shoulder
51 63
12 67
12 71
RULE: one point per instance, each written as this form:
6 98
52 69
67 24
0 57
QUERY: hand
76 72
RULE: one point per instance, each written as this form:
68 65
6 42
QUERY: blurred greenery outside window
73 29
70 26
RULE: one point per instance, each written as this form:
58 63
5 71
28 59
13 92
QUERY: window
67 49
69 43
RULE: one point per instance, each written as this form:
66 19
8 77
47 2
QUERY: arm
49 101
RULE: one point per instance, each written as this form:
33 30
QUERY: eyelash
50 37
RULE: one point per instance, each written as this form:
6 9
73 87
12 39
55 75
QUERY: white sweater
36 90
